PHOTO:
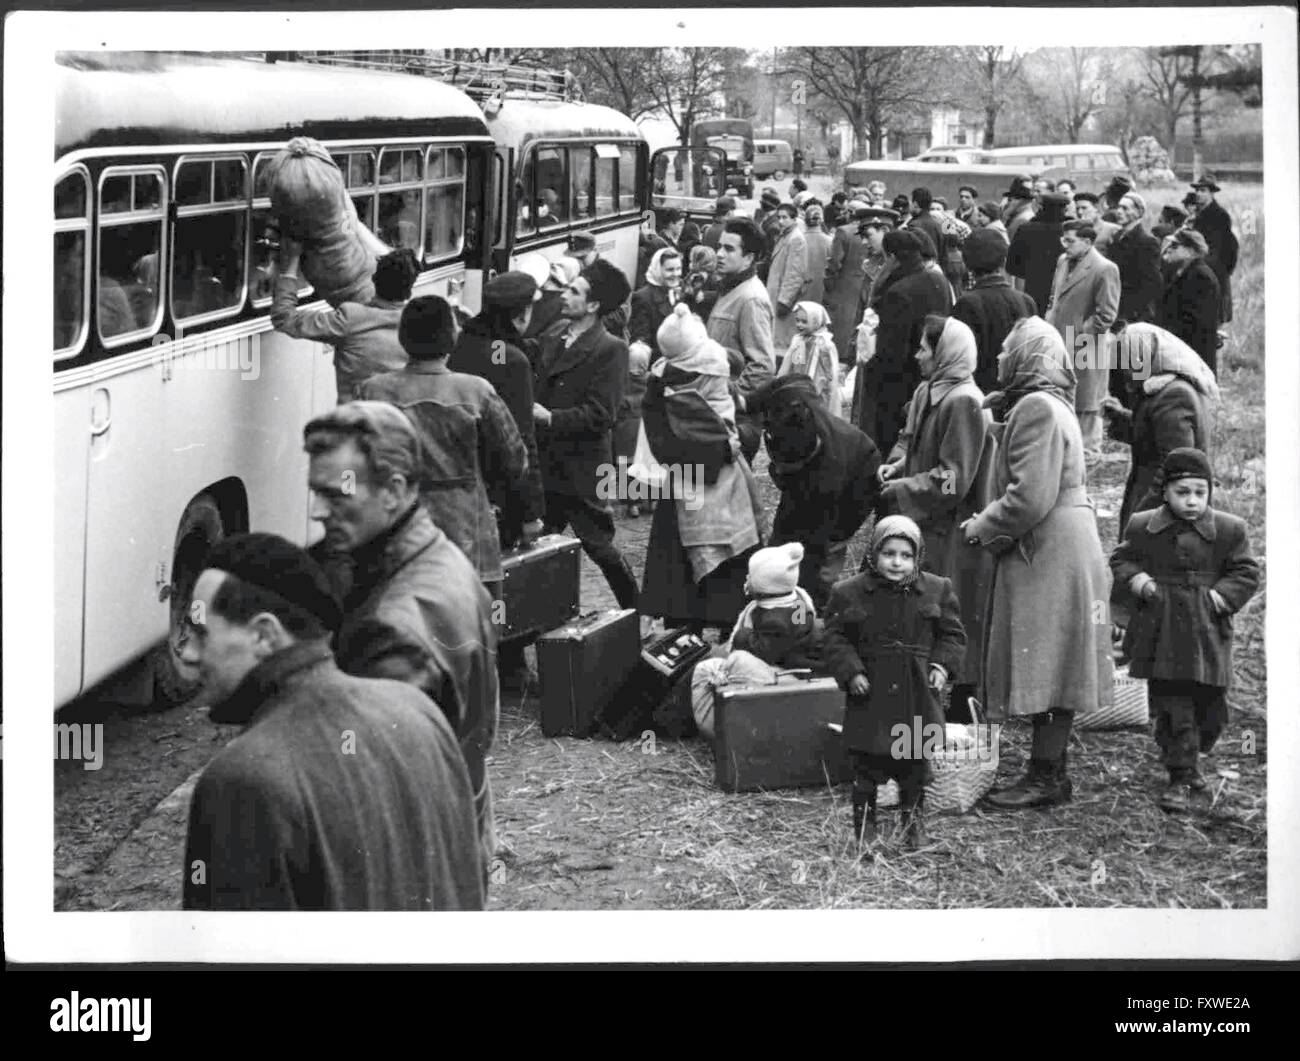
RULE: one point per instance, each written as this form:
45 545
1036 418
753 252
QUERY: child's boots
864 812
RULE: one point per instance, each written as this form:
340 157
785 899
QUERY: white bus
178 411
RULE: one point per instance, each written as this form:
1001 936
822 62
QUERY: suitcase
779 736
540 588
582 665
657 695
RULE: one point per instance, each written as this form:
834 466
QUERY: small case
581 667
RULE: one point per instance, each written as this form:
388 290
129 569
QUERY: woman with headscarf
819 248
812 354
1048 650
1170 389
688 453
940 474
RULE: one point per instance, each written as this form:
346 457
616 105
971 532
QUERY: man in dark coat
1189 303
488 348
581 376
1213 222
413 606
724 208
892 375
924 221
1035 247
1137 254
992 305
825 469
1019 207
343 793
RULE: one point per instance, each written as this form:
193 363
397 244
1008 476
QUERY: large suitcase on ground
540 588
657 695
582 665
778 736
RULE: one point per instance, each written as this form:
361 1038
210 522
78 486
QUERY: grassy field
593 825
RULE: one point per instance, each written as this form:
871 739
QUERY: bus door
689 179
124 403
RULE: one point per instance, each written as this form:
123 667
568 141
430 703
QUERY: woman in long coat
842 285
819 250
940 474
1048 638
1170 396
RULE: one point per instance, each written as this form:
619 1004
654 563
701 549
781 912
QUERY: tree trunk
990 120
1196 114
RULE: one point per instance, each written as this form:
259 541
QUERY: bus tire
200 528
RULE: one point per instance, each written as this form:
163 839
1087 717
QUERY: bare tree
1066 87
1164 83
871 87
615 77
683 83
986 75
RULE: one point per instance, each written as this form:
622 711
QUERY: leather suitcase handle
802 673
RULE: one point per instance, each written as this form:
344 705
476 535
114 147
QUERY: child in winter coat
1184 569
812 353
893 635
778 629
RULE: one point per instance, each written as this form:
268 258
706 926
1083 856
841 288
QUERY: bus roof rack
478 80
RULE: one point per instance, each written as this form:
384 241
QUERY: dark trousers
594 526
1189 717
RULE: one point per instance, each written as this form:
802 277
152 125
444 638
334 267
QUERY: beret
770 195
277 566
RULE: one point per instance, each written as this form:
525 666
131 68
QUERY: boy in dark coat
343 793
1184 569
893 635
825 469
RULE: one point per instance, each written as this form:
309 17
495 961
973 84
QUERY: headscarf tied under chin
954 363
818 318
1036 361
654 273
897 527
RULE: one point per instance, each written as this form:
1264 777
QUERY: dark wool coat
582 385
1189 307
651 306
786 637
825 469
1176 635
280 820
892 636
1048 646
1137 254
947 477
989 309
470 440
892 375
546 315
415 610
1174 417
1032 257
1213 222
503 364
842 286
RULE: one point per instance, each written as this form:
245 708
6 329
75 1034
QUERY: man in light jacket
788 275
1083 306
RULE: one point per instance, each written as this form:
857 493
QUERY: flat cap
513 290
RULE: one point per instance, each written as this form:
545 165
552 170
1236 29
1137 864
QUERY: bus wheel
779 175
200 528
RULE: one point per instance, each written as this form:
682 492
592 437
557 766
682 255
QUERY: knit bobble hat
1186 463
681 333
775 570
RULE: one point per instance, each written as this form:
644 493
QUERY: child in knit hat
697 362
1184 569
778 629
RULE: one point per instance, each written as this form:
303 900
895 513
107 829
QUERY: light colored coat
1084 303
1048 636
741 321
787 277
819 249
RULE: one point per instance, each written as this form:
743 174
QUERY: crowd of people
990 344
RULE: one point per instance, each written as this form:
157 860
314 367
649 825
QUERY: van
773 158
1089 167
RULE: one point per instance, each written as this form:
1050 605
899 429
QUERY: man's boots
864 812
1045 784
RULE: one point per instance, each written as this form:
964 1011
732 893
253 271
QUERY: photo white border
34 932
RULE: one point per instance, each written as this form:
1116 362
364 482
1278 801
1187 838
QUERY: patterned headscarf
897 527
1035 360
818 318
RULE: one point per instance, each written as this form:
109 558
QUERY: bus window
209 238
444 203
358 170
401 178
580 174
525 200
629 178
606 184
549 182
71 226
130 247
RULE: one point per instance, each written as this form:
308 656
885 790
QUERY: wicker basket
962 777
1127 709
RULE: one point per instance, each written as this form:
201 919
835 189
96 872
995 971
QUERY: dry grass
592 825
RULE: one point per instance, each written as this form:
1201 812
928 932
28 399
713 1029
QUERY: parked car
773 158
1090 167
953 156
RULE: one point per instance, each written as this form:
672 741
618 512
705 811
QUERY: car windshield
734 146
